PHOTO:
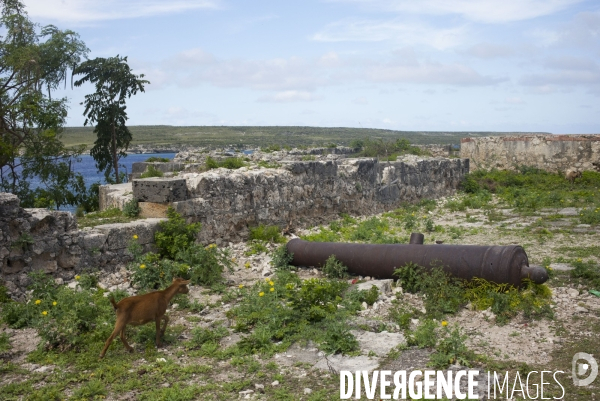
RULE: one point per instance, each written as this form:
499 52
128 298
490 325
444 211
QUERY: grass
108 216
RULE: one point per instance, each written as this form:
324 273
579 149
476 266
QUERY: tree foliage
34 61
114 82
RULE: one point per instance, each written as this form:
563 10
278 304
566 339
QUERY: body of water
87 168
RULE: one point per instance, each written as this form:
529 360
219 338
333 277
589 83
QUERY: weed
156 159
425 335
338 339
151 171
266 164
281 259
175 234
333 268
131 208
256 247
4 342
451 349
23 242
266 233
308 158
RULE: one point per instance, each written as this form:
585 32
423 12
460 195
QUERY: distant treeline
238 136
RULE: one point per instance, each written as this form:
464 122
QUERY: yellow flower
142 266
37 302
272 289
444 323
54 303
579 260
241 286
135 236
44 313
77 277
233 260
267 279
271 283
261 294
247 265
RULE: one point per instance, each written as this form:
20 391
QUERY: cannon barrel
500 264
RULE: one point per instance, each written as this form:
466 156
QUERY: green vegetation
151 171
333 268
386 149
179 256
156 159
231 163
266 233
108 216
271 138
131 209
114 83
444 294
35 60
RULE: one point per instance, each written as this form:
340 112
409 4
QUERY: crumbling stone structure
41 239
555 153
299 194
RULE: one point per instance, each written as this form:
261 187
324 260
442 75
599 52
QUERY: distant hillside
220 136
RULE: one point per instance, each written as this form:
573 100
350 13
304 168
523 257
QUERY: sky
427 65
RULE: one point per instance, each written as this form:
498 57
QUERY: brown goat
142 309
571 174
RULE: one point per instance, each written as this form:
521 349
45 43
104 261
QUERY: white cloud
430 73
514 100
405 33
360 100
489 51
488 11
289 96
85 11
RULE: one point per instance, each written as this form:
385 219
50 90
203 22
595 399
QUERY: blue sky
445 65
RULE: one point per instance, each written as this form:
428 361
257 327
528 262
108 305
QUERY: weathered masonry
49 241
299 194
555 153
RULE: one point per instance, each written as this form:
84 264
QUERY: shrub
156 159
131 208
175 234
451 349
333 268
151 171
424 336
266 233
338 339
281 259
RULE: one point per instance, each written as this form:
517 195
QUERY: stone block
160 190
151 209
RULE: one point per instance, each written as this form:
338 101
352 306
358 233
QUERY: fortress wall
555 153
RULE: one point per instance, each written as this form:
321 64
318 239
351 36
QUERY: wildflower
444 323
267 279
44 313
37 302
261 294
247 265
77 277
241 286
272 289
135 236
54 303
289 286
233 260
579 260
271 283
142 266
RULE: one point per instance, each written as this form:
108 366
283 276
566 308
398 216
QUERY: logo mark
581 369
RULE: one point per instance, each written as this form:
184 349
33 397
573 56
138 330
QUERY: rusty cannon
500 264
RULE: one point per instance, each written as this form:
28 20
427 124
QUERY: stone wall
555 153
40 239
300 194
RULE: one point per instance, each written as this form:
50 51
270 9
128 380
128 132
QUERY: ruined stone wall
40 239
301 194
555 153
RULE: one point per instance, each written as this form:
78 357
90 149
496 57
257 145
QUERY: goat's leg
158 332
166 319
129 347
119 326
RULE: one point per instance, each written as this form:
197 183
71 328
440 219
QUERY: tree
34 60
114 82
